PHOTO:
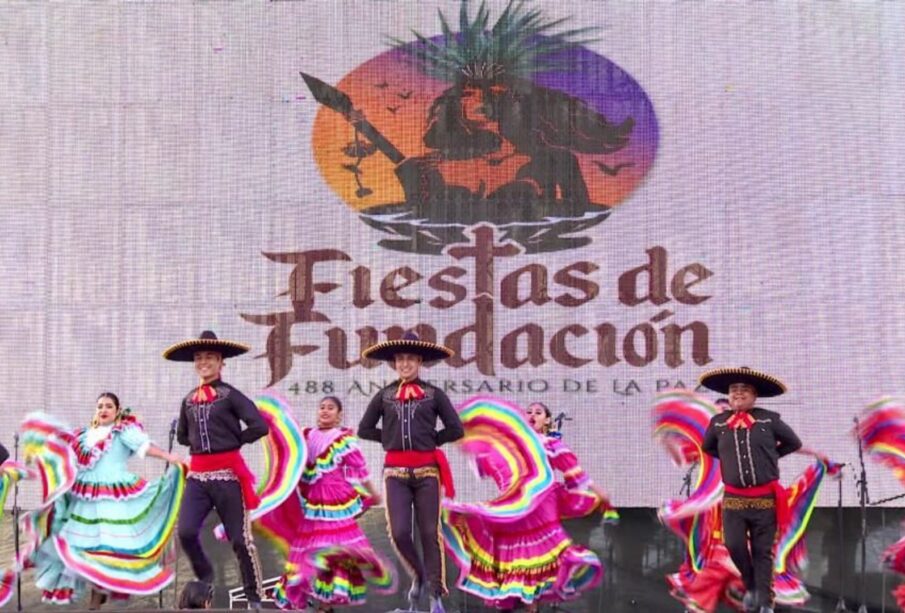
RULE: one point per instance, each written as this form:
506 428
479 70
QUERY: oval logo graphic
510 124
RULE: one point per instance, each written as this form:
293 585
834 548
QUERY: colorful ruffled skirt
531 560
894 558
718 581
330 558
10 473
111 536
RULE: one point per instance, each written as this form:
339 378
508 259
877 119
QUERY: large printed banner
590 202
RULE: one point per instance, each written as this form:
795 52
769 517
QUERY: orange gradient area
395 97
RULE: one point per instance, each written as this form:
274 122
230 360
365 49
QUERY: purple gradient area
607 89
603 86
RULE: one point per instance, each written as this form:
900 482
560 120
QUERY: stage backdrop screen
589 201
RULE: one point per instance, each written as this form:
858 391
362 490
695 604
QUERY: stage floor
637 554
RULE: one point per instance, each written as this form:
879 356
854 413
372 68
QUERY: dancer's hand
373 494
157 452
816 454
599 492
833 471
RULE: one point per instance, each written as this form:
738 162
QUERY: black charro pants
418 490
200 497
749 532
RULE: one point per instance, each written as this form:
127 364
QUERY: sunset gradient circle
395 95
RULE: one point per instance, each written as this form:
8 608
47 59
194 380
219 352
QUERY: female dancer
330 559
10 473
881 430
110 528
561 457
513 550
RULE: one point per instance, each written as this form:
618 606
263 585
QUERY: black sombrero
720 379
409 343
208 341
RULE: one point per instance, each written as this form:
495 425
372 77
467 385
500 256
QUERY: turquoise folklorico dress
111 529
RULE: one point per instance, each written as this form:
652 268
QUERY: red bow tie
740 419
409 391
204 394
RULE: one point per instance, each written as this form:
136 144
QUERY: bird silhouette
405 95
382 85
393 109
612 170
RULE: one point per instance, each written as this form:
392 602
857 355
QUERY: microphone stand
559 419
686 480
840 604
172 436
16 537
863 500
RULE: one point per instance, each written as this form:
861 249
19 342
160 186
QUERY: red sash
774 488
229 460
418 459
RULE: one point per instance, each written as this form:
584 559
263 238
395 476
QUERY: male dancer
414 469
209 423
749 442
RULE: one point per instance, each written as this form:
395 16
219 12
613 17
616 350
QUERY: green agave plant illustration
521 43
